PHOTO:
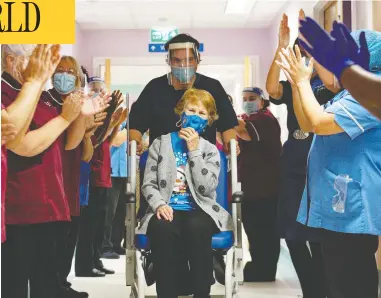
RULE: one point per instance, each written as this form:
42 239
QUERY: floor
112 286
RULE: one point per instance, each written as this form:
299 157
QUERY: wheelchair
227 243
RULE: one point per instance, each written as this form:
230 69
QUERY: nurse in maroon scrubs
8 133
36 204
67 84
15 120
258 170
88 253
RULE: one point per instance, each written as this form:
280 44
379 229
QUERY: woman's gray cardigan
201 171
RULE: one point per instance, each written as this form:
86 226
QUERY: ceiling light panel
239 6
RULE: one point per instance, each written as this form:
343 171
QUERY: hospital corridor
113 286
191 148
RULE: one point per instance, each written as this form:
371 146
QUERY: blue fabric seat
221 240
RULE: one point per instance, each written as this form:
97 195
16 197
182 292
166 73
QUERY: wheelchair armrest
237 218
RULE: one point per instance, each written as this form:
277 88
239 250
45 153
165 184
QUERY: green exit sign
163 35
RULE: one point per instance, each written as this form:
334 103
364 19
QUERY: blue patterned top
181 198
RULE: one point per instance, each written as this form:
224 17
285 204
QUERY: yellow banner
37 22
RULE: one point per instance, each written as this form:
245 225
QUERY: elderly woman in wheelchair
180 181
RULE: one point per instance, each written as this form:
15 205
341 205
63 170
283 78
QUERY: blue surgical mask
183 74
250 107
194 121
64 83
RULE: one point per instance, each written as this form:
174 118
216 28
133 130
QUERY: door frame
342 8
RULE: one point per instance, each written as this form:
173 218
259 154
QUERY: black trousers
29 254
188 238
90 234
309 266
115 215
350 264
66 248
260 222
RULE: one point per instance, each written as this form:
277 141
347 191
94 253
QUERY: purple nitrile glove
329 52
360 56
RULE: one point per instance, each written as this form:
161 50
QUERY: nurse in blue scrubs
342 197
303 243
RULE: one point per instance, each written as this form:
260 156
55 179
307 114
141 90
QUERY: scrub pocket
347 198
341 186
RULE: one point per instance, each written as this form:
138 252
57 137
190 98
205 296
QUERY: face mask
183 74
194 121
250 107
64 83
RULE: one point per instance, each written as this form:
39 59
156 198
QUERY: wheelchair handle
130 198
234 170
237 197
132 168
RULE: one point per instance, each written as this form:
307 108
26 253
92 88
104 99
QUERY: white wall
362 14
292 11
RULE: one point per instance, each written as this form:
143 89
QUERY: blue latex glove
360 56
330 53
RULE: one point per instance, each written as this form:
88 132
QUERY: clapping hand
284 33
42 63
359 55
115 117
93 122
334 52
8 133
72 106
294 65
95 105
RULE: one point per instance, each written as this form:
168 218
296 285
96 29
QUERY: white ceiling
145 14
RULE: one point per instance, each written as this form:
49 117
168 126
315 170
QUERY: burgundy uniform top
4 169
101 166
71 161
35 191
259 161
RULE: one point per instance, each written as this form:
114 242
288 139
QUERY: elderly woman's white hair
15 50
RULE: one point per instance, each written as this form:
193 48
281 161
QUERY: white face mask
250 107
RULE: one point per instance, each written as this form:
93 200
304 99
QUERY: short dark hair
266 103
182 38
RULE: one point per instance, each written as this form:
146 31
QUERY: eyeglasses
71 71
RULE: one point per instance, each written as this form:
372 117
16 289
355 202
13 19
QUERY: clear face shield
96 86
21 54
183 59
